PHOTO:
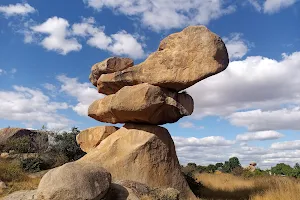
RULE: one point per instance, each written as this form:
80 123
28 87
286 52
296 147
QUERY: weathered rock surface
89 138
74 181
109 65
131 190
182 59
143 103
141 153
22 195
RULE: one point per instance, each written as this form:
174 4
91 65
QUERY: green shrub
19 145
11 171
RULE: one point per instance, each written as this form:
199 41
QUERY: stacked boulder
144 96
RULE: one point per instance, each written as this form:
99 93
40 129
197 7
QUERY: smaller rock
109 65
4 155
74 181
22 195
2 185
90 138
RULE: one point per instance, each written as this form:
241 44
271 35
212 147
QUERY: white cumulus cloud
17 9
273 6
166 14
58 36
260 135
287 145
236 46
121 43
250 84
32 106
257 120
202 142
84 93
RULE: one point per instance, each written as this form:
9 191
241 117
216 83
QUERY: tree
219 165
297 166
282 169
226 167
234 162
67 145
211 168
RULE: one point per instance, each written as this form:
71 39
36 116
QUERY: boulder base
143 103
182 59
141 153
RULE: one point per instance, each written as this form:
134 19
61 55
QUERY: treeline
234 167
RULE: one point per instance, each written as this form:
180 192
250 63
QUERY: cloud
83 92
202 142
49 87
256 5
189 150
10 72
121 43
17 9
166 14
257 120
2 71
287 145
260 135
58 36
273 6
187 124
249 84
236 46
32 107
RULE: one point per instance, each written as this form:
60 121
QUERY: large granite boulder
89 138
143 103
109 65
74 181
182 59
141 153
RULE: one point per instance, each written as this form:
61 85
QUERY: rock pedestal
143 97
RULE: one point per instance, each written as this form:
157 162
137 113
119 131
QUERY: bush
19 145
237 171
66 144
35 164
11 171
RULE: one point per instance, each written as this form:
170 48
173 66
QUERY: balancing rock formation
143 97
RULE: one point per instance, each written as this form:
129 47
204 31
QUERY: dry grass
15 178
227 186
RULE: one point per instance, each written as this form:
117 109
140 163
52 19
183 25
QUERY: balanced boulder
141 153
74 181
109 65
182 59
89 138
143 103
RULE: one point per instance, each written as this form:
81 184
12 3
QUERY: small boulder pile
142 97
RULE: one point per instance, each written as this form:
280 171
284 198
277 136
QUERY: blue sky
251 110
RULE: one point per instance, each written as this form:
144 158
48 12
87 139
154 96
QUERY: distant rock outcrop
142 96
37 138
